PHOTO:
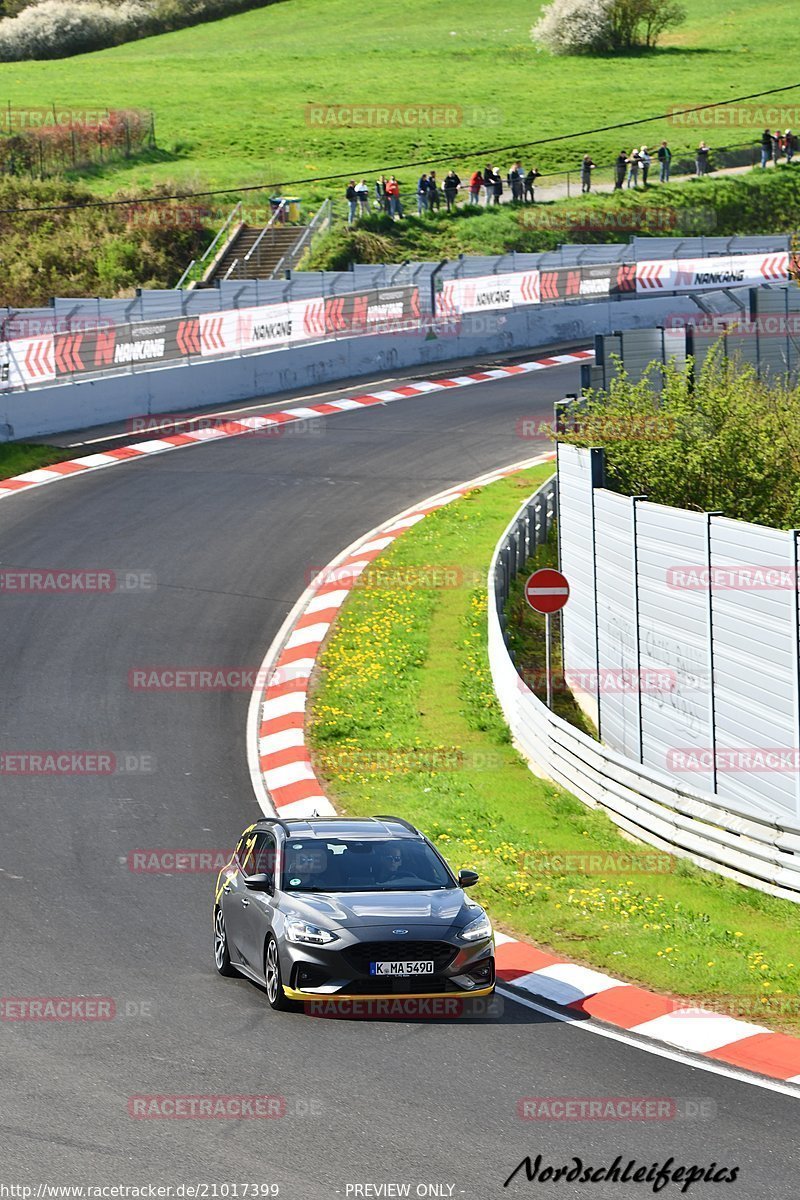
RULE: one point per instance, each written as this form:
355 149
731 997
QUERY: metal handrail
232 267
322 217
237 209
269 225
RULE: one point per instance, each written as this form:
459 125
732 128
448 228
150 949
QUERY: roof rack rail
399 820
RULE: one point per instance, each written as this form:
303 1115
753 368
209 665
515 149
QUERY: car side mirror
467 878
260 883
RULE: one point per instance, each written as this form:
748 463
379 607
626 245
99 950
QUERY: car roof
355 827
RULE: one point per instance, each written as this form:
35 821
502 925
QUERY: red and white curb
252 425
285 783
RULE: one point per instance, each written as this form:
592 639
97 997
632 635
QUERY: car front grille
361 955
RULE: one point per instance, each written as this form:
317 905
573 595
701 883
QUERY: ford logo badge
399 931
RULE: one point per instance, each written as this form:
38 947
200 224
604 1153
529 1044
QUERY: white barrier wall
654 807
705 610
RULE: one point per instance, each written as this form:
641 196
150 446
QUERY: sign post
547 591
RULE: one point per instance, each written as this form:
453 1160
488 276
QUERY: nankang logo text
137 351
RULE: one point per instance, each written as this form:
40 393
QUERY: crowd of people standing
630 167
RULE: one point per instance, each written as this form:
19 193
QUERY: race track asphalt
231 531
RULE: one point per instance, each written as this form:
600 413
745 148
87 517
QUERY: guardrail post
712 715
796 638
635 544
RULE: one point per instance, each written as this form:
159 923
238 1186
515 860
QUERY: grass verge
16 457
403 719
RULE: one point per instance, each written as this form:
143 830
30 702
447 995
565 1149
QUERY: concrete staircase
266 247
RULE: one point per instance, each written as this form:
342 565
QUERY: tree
604 26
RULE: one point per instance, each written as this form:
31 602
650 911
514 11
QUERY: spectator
620 167
434 199
665 158
644 155
587 166
475 185
422 195
766 148
530 180
701 159
633 168
351 196
380 194
516 181
777 146
488 183
362 192
451 185
393 196
791 145
497 187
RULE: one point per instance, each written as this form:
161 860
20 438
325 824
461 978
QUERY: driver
307 867
391 865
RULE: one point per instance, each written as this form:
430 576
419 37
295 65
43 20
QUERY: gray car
362 908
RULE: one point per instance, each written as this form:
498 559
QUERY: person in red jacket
475 185
393 196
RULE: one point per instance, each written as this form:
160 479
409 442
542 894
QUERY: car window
263 858
344 864
256 853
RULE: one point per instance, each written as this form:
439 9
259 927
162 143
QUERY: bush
728 442
604 26
92 251
60 28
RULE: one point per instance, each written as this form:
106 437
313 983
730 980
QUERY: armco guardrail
78 339
647 804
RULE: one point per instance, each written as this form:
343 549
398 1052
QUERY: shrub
60 28
730 442
604 26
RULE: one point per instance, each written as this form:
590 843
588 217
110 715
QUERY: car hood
384 908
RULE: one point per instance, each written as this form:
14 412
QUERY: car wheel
222 959
272 978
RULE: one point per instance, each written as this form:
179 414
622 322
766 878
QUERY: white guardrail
650 806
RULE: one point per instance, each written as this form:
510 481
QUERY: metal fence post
796 639
635 541
712 716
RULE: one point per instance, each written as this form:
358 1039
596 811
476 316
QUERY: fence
48 141
76 339
650 805
761 328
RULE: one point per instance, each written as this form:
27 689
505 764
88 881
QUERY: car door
255 908
232 891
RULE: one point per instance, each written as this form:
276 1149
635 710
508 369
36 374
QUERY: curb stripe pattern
252 425
288 774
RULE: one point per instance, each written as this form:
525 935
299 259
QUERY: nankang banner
142 343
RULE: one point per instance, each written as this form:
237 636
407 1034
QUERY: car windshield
348 865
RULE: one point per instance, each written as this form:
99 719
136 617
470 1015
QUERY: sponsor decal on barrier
486 292
85 348
126 345
733 270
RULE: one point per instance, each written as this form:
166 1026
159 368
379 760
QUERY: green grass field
17 457
404 720
230 97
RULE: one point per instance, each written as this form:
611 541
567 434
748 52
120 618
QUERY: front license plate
401 968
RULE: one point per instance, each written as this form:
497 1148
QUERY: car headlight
298 930
477 929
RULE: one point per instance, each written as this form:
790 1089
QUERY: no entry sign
547 590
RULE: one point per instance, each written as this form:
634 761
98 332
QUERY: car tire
273 981
222 958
